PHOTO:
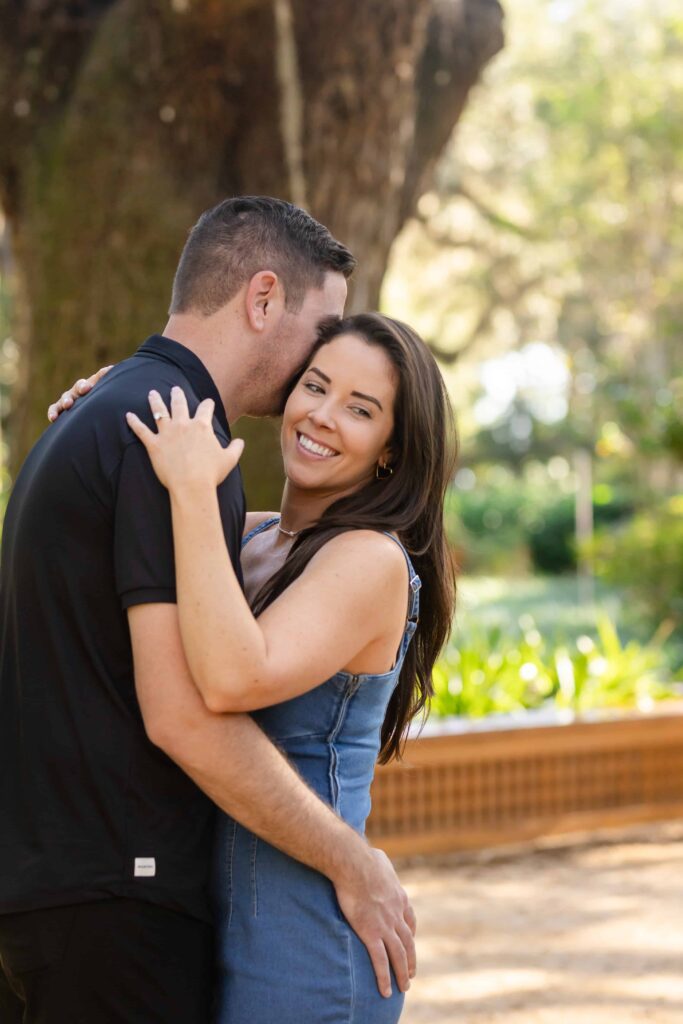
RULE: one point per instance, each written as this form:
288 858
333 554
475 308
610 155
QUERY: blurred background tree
122 120
538 248
545 265
556 216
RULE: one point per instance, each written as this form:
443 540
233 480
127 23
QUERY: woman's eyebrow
314 369
368 398
356 394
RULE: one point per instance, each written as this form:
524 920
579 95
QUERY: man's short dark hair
234 240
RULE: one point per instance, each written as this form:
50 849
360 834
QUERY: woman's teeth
314 447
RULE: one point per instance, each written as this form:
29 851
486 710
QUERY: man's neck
212 343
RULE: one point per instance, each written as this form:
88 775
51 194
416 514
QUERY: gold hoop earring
387 471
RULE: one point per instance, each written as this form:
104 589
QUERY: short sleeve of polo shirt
144 563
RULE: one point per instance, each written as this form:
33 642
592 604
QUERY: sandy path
587 933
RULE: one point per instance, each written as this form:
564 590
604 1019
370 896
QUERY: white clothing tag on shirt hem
145 867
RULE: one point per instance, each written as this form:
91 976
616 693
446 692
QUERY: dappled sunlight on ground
589 932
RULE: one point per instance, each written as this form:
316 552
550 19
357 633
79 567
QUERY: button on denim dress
286 954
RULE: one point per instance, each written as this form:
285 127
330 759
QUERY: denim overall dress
286 955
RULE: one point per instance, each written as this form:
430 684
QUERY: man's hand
377 908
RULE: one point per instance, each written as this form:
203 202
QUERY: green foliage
551 539
492 670
645 556
552 536
506 521
485 526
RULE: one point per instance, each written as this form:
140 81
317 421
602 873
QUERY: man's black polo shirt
89 808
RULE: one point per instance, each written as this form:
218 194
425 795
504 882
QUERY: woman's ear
263 300
386 457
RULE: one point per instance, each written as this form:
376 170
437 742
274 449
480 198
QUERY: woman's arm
344 600
350 595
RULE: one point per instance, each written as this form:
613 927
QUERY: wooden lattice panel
483 789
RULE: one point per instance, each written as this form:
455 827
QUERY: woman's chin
307 481
309 473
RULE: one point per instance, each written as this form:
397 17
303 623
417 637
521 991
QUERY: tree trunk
123 120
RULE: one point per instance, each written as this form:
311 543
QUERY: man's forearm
234 762
229 757
239 768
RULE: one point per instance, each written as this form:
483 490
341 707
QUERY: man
111 760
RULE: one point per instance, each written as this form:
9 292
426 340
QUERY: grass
553 602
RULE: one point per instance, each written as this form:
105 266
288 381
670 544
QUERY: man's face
293 340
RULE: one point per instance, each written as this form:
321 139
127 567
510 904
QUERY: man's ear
264 299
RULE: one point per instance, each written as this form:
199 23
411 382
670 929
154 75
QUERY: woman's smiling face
339 418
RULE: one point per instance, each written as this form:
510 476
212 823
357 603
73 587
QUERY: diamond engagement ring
161 416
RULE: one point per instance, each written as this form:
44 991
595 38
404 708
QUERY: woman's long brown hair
408 503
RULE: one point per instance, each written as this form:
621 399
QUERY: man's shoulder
130 384
134 377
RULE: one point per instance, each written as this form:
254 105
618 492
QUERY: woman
349 598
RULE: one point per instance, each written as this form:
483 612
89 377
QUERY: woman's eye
361 411
315 388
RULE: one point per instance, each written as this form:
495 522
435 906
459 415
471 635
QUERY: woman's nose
322 416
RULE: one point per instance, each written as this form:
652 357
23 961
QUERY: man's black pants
118 961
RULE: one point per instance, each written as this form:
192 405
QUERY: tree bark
123 120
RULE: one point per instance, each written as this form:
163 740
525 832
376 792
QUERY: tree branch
498 220
496 300
462 37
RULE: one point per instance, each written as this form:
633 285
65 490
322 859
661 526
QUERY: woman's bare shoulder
364 548
254 519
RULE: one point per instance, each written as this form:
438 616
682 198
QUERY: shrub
496 671
552 536
511 522
645 556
